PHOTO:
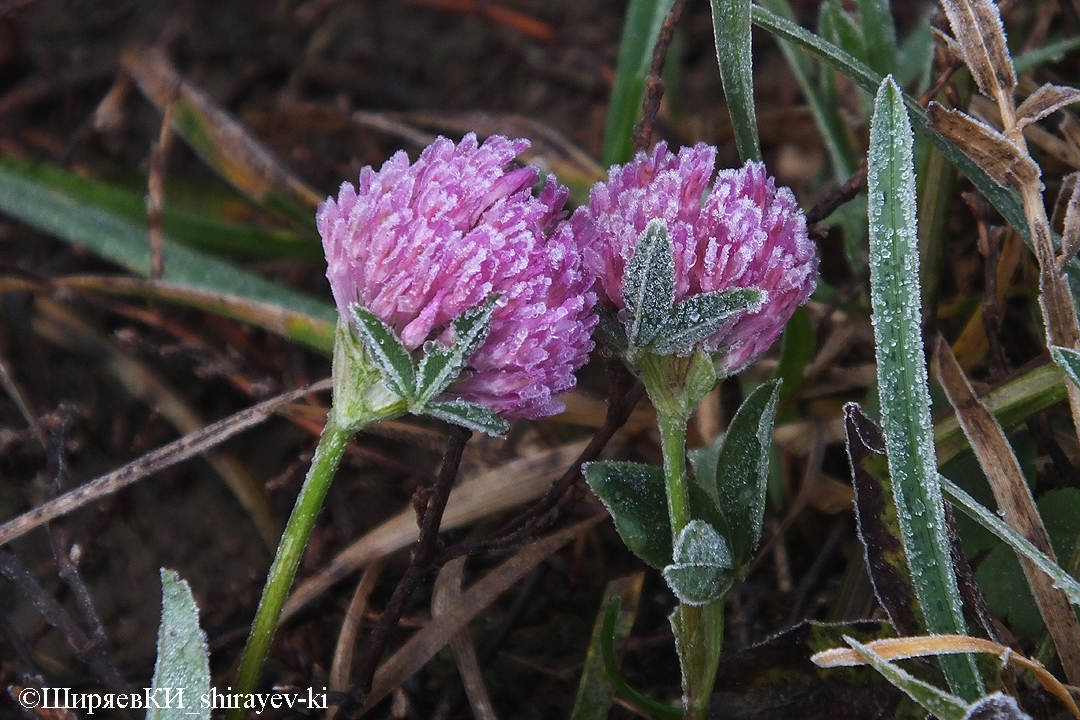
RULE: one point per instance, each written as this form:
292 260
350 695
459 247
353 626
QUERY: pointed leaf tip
182 654
386 349
442 365
698 317
649 284
470 416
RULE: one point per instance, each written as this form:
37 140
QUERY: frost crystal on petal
419 244
743 232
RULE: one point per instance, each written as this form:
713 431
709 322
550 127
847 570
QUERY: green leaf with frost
741 473
634 494
902 378
388 352
699 316
442 365
183 660
702 567
636 498
649 284
468 415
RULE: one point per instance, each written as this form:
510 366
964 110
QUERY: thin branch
186 447
654 83
433 500
623 395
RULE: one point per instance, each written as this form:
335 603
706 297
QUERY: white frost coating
649 283
902 378
700 572
997 706
182 655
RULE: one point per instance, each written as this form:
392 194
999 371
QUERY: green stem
293 541
700 634
699 644
675 386
673 441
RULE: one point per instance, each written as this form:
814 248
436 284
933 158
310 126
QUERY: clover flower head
741 232
418 244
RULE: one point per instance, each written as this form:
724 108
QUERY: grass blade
595 690
219 138
221 284
731 30
939 703
826 114
902 380
1020 545
643 21
1007 202
198 229
879 34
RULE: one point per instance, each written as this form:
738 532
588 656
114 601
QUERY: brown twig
186 447
846 192
623 395
89 652
155 197
654 83
430 502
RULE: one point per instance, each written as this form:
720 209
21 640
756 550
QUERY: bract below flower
418 244
742 232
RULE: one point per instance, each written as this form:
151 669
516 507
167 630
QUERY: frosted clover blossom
461 295
455 251
742 232
696 282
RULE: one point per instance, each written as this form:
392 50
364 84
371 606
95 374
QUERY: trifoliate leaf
442 365
698 317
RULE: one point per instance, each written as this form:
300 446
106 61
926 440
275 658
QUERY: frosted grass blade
902 378
731 30
1007 202
1019 544
643 21
940 704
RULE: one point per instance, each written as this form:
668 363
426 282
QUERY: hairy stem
324 465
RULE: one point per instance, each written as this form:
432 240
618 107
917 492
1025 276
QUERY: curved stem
293 541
